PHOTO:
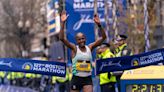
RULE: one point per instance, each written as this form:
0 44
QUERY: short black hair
79 33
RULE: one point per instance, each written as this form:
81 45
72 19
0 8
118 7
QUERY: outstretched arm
61 34
103 35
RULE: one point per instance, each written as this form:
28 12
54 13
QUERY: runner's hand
96 19
64 16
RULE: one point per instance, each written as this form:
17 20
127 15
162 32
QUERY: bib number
83 66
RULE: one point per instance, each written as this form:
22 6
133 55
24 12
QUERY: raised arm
103 35
61 34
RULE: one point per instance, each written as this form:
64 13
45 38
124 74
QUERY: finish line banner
130 62
33 66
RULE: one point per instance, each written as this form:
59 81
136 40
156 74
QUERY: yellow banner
149 72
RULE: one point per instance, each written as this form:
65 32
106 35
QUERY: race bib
83 66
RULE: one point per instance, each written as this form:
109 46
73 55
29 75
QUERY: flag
53 17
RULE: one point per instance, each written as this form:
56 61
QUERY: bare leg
88 88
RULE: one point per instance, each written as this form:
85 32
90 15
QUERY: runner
81 56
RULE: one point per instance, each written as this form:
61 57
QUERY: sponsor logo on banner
110 64
27 66
147 59
2 63
87 19
40 67
33 66
86 6
151 58
135 62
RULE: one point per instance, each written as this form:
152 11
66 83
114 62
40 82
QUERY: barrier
33 66
102 65
130 62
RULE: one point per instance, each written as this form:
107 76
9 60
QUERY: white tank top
81 63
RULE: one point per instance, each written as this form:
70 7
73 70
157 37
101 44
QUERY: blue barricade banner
130 62
33 66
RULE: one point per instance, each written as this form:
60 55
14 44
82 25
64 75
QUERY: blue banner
80 20
81 17
53 21
130 62
33 66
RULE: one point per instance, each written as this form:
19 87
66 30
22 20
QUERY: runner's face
80 39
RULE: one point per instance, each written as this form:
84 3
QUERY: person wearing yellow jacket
2 75
107 80
63 82
121 50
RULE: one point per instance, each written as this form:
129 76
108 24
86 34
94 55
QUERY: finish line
33 66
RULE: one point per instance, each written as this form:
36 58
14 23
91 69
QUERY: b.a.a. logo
27 66
135 62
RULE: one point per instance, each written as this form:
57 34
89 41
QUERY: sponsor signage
130 62
33 66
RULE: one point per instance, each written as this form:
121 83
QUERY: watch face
145 88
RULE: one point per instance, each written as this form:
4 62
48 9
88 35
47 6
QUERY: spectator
63 82
107 80
121 50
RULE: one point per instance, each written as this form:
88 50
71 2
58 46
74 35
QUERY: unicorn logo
5 64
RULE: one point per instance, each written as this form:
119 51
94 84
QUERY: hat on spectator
105 45
121 37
